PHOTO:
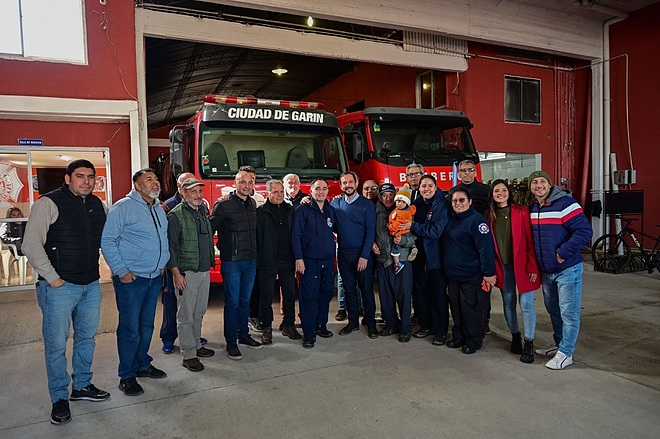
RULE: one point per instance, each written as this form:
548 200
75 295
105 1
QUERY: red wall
79 134
99 79
639 38
378 85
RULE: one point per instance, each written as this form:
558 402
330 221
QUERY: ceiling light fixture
279 71
310 21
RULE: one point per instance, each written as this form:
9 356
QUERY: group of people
431 253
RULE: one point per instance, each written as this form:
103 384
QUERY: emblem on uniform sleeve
429 216
483 228
329 222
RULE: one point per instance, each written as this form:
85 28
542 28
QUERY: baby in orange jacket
403 213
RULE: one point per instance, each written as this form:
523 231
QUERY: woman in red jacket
515 264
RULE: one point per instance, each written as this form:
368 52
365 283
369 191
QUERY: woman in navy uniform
469 262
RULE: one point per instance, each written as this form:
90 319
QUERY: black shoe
347 329
372 331
130 387
439 340
341 315
61 414
250 342
468 349
404 337
233 352
487 329
203 341
527 355
89 393
267 336
308 343
422 333
516 343
255 324
386 332
453 343
291 332
151 372
324 333
205 352
193 365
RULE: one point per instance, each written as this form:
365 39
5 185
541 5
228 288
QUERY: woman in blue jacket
469 262
313 245
429 282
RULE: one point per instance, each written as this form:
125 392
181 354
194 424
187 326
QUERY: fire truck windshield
274 150
399 142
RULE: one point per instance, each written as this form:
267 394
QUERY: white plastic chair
9 257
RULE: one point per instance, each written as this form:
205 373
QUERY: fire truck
381 141
274 137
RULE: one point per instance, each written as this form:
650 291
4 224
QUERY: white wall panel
497 22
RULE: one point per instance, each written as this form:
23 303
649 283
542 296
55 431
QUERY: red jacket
524 257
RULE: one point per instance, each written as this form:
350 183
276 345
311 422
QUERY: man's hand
56 283
375 249
127 278
490 281
362 264
405 226
532 277
300 266
560 259
179 281
397 239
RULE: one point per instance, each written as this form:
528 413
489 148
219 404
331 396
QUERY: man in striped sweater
560 231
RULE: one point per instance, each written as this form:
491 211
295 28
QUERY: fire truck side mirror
176 139
359 152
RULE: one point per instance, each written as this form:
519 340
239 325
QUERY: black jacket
235 221
267 214
73 241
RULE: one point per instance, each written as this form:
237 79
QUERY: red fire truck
274 137
381 141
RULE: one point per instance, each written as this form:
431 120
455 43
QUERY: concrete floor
352 386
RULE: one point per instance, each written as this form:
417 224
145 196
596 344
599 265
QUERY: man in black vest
64 231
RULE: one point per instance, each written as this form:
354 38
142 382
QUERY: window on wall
522 100
430 90
38 29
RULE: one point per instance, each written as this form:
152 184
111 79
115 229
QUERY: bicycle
611 252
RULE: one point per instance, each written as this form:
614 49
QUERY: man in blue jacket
356 233
560 231
135 246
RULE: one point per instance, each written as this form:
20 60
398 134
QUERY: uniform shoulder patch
483 228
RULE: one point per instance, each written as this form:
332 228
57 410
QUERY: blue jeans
136 303
238 277
341 294
357 284
562 294
60 307
527 306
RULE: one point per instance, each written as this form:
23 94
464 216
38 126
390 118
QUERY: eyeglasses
414 174
459 200
371 188
467 170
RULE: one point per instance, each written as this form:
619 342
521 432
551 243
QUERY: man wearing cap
393 289
191 257
560 231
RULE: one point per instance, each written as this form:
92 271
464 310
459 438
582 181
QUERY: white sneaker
413 254
559 361
550 351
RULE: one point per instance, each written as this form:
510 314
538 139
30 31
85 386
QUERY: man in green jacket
191 257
